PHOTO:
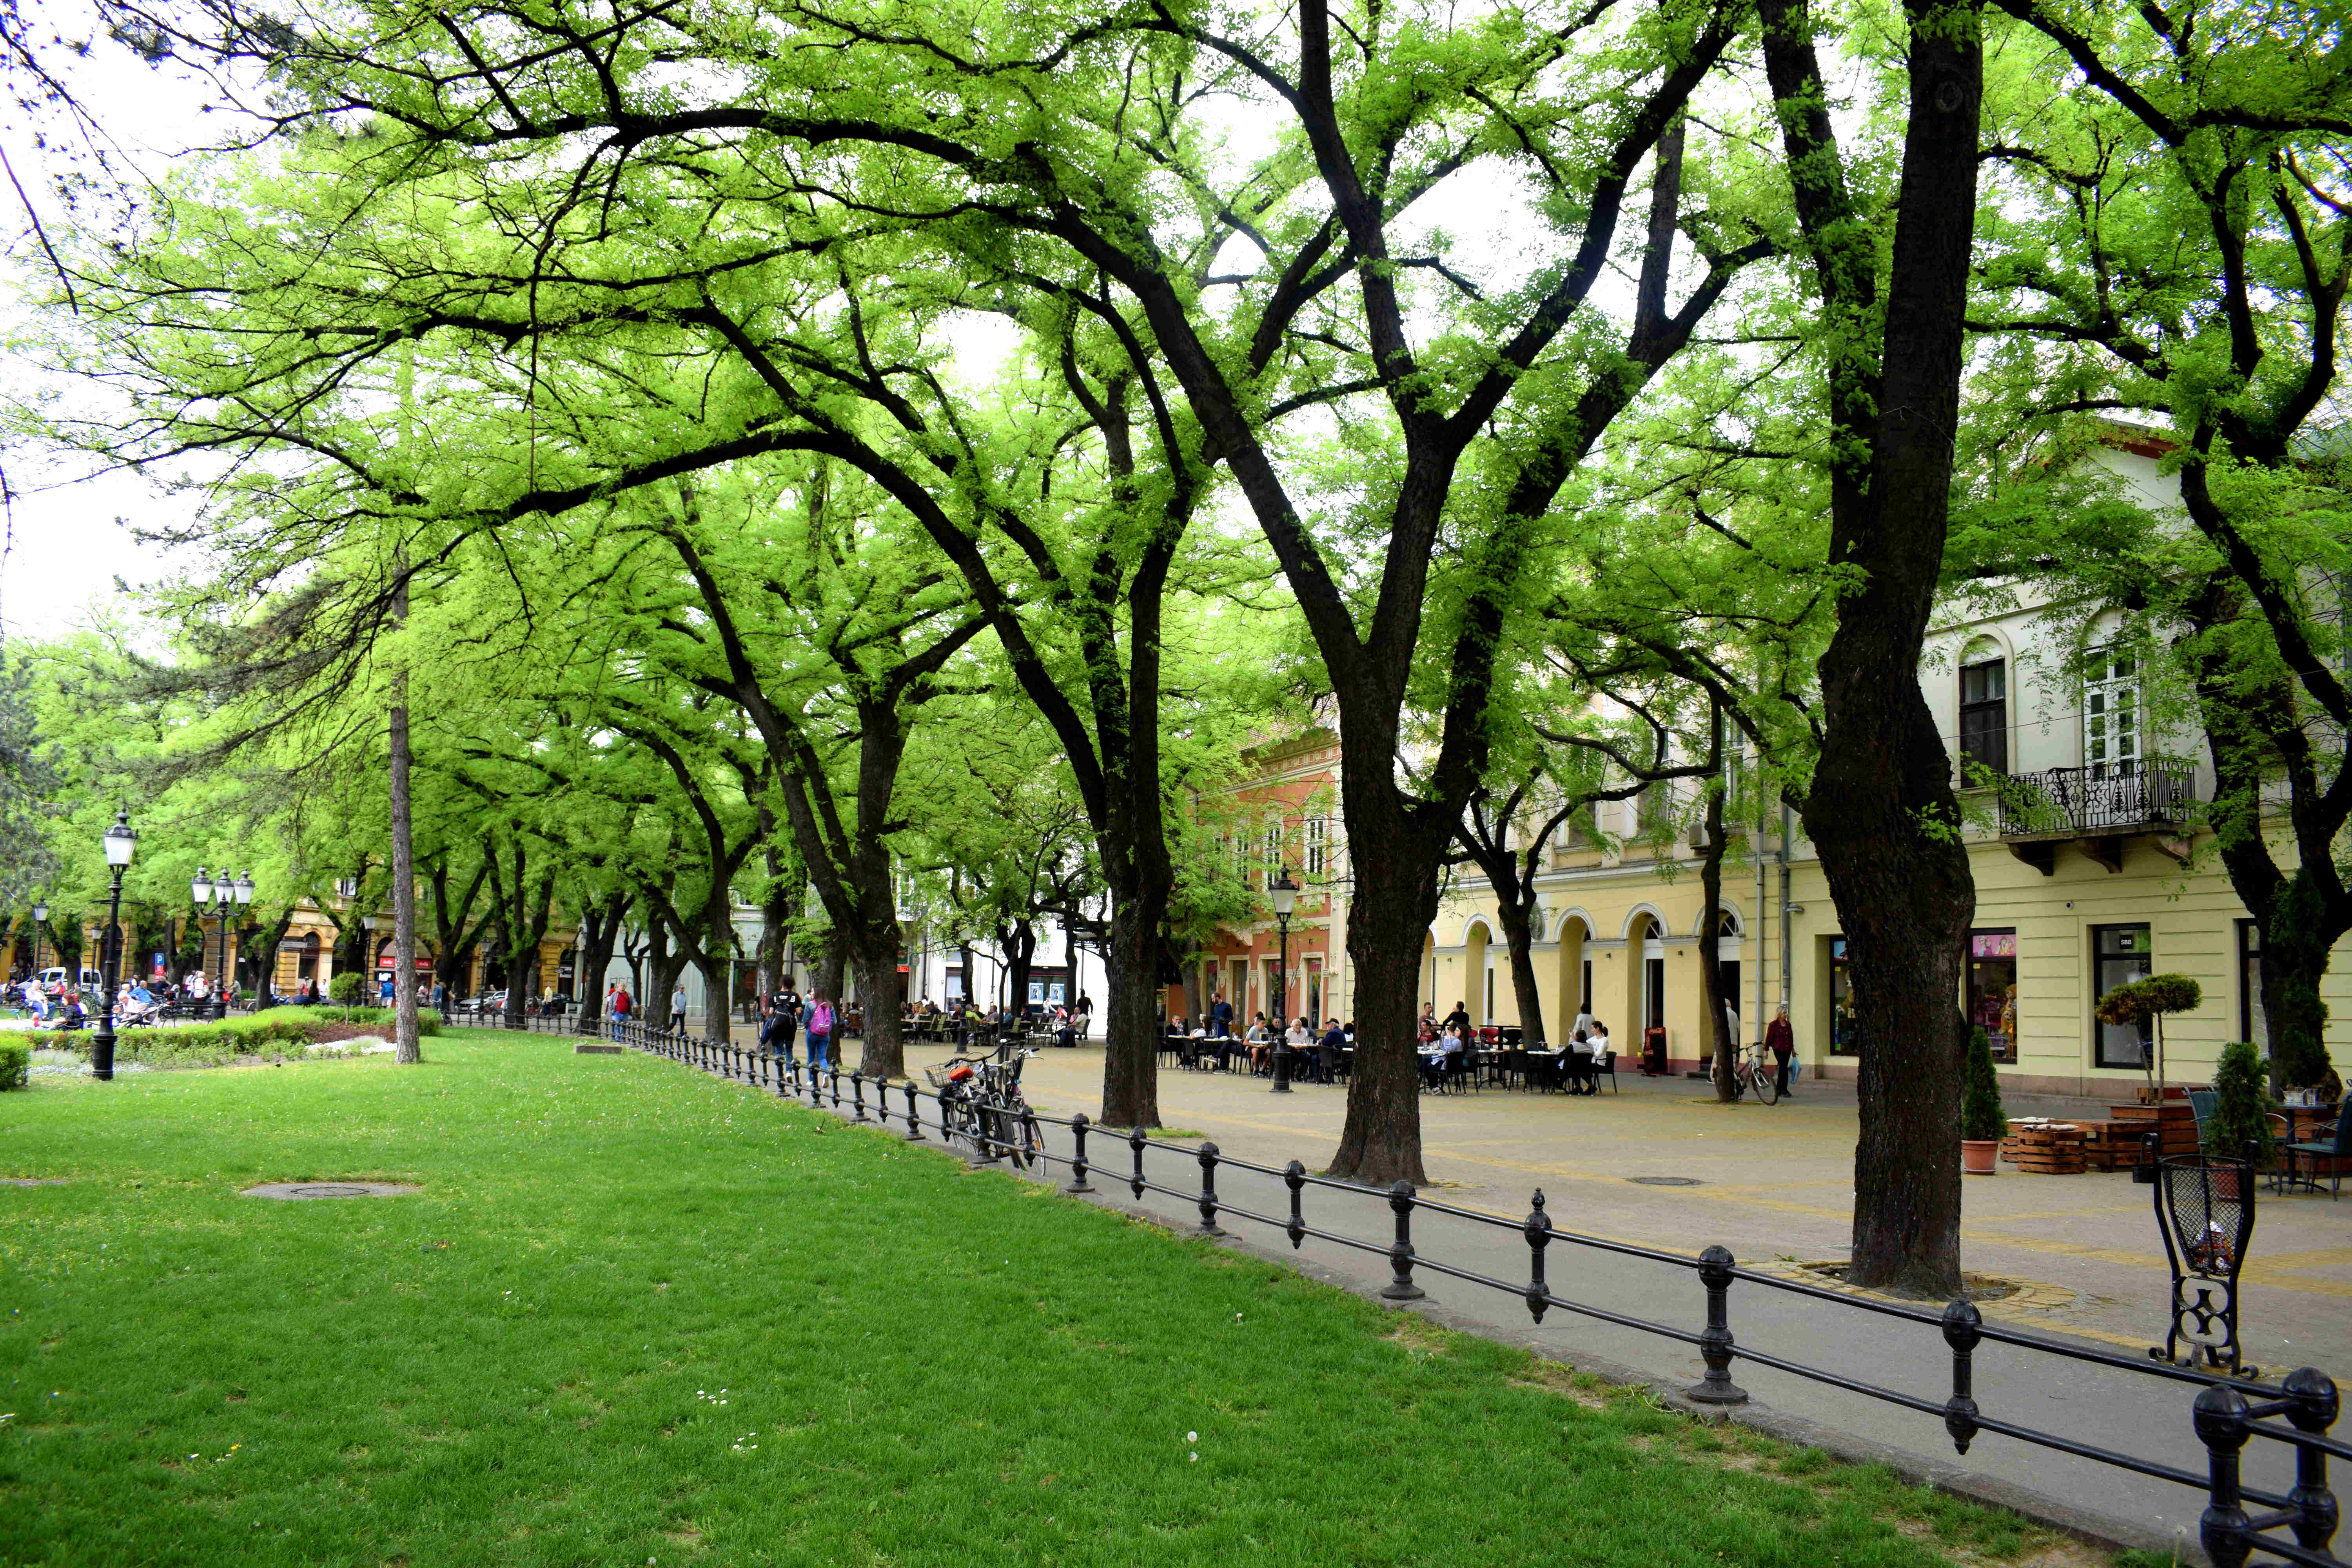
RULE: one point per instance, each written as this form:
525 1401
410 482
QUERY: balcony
2099 808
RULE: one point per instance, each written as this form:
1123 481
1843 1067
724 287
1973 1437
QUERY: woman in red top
1781 1041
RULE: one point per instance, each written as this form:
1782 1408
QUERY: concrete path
1774 1186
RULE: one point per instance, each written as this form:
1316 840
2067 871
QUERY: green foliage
2143 1000
2239 1117
346 986
1980 1112
15 1064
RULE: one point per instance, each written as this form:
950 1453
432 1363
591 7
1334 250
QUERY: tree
2177 242
1879 806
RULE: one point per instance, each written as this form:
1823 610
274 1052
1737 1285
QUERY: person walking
677 1008
384 992
820 1030
784 1023
621 1004
1781 1041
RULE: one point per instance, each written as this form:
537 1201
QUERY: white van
91 980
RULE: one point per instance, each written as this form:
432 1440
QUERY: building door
1846 1037
1730 970
2121 955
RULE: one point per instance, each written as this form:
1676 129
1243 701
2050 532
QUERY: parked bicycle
1755 1068
982 1103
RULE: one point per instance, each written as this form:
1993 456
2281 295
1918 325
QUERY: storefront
1992 988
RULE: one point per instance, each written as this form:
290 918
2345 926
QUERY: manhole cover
1665 1181
328 1190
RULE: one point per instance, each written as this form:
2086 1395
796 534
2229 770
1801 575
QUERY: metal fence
2152 792
2239 1523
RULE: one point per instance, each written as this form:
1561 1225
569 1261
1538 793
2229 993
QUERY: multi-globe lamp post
120 842
227 894
1284 893
40 919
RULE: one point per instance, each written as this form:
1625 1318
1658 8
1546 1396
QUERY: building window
1984 715
1317 831
1273 852
2111 716
1845 1039
2120 954
1992 989
2252 1023
347 887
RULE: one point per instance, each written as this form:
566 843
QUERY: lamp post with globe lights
243 889
40 919
1284 892
119 841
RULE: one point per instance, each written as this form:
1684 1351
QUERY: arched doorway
1575 989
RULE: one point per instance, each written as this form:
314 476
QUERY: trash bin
2205 1212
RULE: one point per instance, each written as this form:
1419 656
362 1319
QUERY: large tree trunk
1725 1057
1131 1096
600 928
407 1045
1020 948
882 994
1518 914
831 961
1388 920
1880 810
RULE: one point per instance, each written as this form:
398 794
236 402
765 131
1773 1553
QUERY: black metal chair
1606 1063
2336 1148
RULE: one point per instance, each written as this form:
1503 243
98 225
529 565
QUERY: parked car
92 982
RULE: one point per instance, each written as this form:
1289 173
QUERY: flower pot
1978 1156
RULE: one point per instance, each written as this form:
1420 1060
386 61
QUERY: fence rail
2228 1411
2116 798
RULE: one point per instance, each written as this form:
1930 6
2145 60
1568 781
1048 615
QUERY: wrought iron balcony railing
2129 797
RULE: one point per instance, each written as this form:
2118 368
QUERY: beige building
2090 868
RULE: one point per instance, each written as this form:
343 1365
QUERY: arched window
1984 709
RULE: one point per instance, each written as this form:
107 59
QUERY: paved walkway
1774 1184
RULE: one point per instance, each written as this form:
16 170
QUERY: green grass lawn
638 1315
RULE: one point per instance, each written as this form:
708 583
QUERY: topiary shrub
345 987
2240 1119
1980 1114
15 1065
2146 1002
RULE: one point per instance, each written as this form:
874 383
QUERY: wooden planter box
2045 1147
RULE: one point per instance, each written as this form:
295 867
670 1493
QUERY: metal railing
2230 1412
2116 798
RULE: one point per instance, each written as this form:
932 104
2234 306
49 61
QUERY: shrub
2241 1115
15 1065
345 987
1980 1112
2143 1000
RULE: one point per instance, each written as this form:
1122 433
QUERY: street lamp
1284 894
40 919
120 842
242 889
224 896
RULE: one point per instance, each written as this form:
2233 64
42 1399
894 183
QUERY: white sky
66 539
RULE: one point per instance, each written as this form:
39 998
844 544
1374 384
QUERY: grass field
636 1315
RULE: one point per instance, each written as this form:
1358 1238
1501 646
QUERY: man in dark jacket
782 1021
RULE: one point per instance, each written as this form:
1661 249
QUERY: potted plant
2146 1002
1983 1124
2238 1125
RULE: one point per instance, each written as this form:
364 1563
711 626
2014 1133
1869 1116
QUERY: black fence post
2221 1427
832 1072
1294 1176
1078 1125
1536 1228
914 1118
1963 1327
816 1086
2312 1407
1715 1342
857 1094
1401 1286
1208 1158
1135 1141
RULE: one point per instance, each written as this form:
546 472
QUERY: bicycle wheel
1767 1086
1027 1143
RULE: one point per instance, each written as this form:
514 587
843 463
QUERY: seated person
1329 1051
1260 1040
1599 1038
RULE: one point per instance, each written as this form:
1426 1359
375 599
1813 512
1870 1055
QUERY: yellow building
2100 877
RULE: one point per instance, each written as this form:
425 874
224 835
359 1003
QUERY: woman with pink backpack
820 1029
